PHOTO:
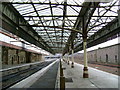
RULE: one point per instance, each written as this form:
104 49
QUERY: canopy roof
55 20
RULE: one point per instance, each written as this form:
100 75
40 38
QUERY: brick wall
0 56
103 55
12 56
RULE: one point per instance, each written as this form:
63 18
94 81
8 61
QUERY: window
115 58
12 60
100 58
106 57
95 57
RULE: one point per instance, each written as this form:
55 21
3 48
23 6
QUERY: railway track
109 65
11 79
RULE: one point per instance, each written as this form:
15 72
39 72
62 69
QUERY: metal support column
68 58
72 64
119 13
85 70
62 78
72 48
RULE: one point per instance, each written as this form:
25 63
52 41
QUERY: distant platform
49 77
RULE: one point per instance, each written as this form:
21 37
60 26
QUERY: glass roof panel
53 17
57 11
41 7
108 13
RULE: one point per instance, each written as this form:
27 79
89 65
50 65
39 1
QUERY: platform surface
48 80
97 79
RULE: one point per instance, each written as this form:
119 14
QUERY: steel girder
11 20
83 18
46 27
111 29
77 32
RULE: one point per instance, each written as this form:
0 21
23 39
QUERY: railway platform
49 78
44 78
97 80
34 31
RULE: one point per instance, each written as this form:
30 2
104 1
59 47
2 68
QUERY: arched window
115 58
106 57
95 57
12 60
100 58
91 57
